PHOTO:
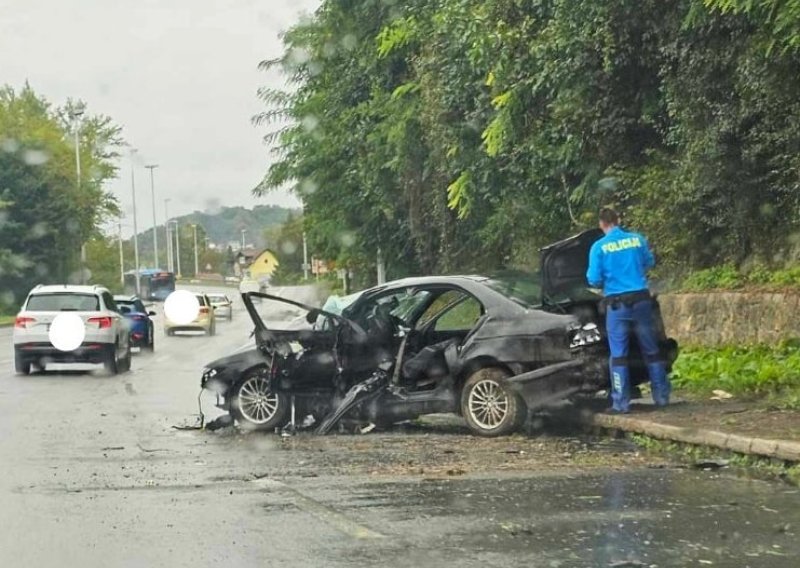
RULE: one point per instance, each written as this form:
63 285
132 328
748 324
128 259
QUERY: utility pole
76 112
381 268
135 225
243 233
178 245
121 254
168 235
305 257
152 167
196 266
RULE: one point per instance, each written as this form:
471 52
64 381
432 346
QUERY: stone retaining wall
730 318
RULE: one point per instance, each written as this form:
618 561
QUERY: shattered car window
462 316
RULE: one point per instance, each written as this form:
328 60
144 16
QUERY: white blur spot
347 239
67 332
181 307
35 157
349 42
308 186
288 247
298 56
310 122
9 145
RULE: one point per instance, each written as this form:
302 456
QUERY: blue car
138 317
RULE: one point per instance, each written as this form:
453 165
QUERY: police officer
618 263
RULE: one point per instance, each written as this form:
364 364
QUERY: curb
780 449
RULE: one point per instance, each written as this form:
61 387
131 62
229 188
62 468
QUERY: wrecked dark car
491 349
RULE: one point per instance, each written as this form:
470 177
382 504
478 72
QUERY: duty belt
628 299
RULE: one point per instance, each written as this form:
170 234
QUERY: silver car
106 339
223 306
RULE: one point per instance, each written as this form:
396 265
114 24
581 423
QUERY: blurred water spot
72 226
41 270
213 206
298 56
288 247
308 186
35 157
38 230
329 49
310 122
3 218
7 298
315 68
767 210
9 145
67 331
347 238
349 42
181 307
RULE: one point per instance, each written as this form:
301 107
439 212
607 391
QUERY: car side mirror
311 316
151 313
124 310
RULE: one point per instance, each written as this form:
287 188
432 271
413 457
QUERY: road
95 474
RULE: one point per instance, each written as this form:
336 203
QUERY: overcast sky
180 77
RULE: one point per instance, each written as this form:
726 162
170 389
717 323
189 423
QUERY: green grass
752 466
6 320
728 277
758 371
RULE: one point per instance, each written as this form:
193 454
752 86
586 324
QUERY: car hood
564 264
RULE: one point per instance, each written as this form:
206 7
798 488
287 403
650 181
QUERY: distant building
254 264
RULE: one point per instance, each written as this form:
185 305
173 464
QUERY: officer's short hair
609 216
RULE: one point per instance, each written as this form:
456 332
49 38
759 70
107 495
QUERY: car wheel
151 344
21 366
489 406
255 406
111 362
125 364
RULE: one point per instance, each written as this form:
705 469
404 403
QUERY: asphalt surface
94 473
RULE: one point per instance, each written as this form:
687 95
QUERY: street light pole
121 254
305 257
76 112
152 167
168 235
196 265
135 225
243 233
178 245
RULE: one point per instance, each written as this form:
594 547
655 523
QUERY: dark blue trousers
622 322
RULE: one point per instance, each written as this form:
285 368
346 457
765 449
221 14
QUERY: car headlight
587 334
208 374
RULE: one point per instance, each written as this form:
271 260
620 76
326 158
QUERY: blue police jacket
619 262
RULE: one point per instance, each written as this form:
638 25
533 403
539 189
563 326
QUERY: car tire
21 366
111 363
125 364
254 406
151 344
489 407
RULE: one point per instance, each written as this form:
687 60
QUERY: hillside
225 226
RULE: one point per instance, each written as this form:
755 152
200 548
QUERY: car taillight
204 310
23 321
103 322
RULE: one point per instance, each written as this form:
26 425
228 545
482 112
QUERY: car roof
67 288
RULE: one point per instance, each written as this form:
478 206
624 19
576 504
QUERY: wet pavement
95 474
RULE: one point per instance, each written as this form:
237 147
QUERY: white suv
107 338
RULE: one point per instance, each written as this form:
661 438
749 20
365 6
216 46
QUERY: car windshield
63 303
217 299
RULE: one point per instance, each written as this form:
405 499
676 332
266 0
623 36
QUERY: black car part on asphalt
386 358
